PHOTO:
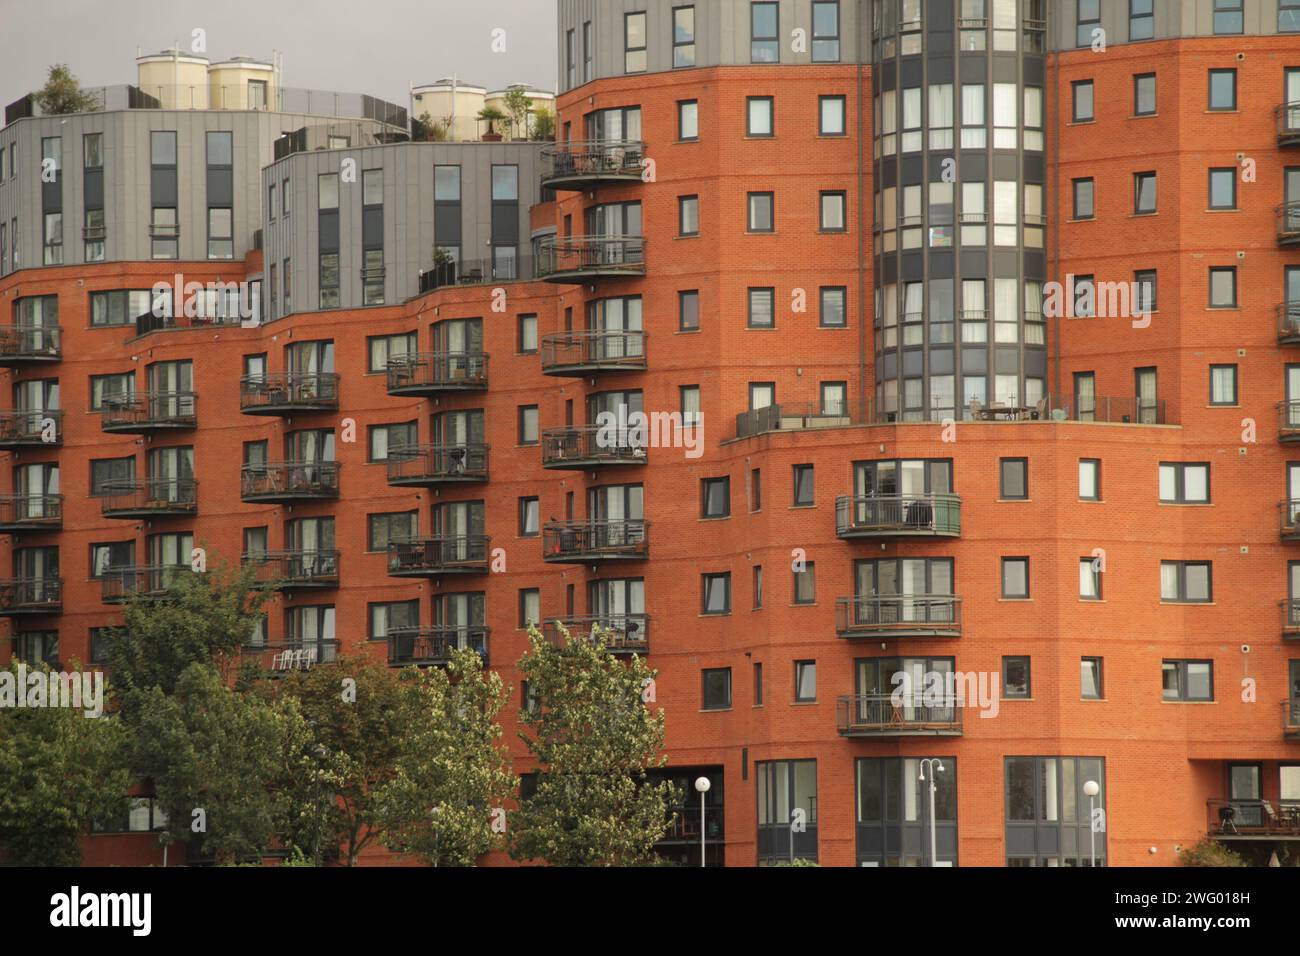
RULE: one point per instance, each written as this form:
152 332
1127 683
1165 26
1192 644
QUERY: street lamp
936 765
1091 788
702 786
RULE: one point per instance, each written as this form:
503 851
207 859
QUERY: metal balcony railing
31 596
1287 117
1288 323
580 353
1288 425
1291 718
150 411
30 513
289 481
20 344
476 272
441 554
1291 618
150 497
1252 818
424 646
580 165
885 516
624 633
153 581
285 657
294 569
586 446
1288 224
582 258
879 715
437 464
898 615
584 541
284 392
23 428
427 373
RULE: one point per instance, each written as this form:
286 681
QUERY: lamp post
1091 788
702 787
936 765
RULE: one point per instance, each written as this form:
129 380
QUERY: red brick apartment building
823 234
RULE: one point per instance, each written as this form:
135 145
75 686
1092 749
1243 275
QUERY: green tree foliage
1210 853
594 735
444 802
59 771
62 93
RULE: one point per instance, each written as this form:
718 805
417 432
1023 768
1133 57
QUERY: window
688 215
717 688
1015 578
716 593
109 471
526 340
786 787
383 438
715 498
805 681
221 241
803 486
1223 385
1015 677
1144 282
1090 479
826 31
688 310
758 684
764 27
1223 287
110 389
1185 483
116 554
1228 16
530 607
634 43
805 584
390 616
831 116
1186 582
1223 89
1083 199
1014 474
834 307
123 306
1144 193
758 116
1187 680
1223 188
1288 16
530 514
382 349
1141 19
683 37
761 395
270 202
762 308
688 120
528 433
758 586
1083 101
1144 94
756 489
53 238
393 526
1090 678
833 216
1047 813
505 183
1090 579
570 59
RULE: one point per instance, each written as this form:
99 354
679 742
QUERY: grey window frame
1006 562
727 690
1181 582
803 585
722 579
1180 666
1228 9
1138 79
771 117
1028 691
1075 186
1232 271
1099 672
1136 15
1209 93
1075 87
1236 384
1003 464
798 473
1138 180
707 500
802 667
1219 172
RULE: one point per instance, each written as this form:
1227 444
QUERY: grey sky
378 47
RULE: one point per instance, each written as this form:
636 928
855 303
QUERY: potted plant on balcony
491 115
518 104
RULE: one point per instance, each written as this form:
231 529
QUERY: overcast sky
378 47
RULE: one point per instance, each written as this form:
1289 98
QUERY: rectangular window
372 187
526 338
634 43
756 489
111 389
1090 678
394 526
109 471
221 233
1083 198
1187 680
1015 677
805 681
383 438
1144 282
831 112
1288 16
528 427
683 37
1186 582
715 497
530 607
689 396
716 593
1144 193
382 349
1014 478
717 688
1090 579
390 616
530 514
1185 483
1223 287
115 554
759 116
1144 94
764 32
1223 188
1090 479
1223 89
761 217
1083 101
688 215
758 586
834 307
834 218
1223 385
1228 17
804 490
758 684
805 583
826 31
688 310
1141 19
688 120
1015 578
762 308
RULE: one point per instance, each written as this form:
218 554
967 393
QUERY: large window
683 37
1187 680
1186 582
715 498
1141 19
1144 94
831 111
1087 20
826 31
764 32
1082 101
1228 16
716 693
634 43
787 810
1288 16
1223 89
758 116
716 593
1185 482
893 811
1049 817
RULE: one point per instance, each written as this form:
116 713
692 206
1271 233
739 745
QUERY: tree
491 115
355 731
59 772
594 739
222 762
62 93
1209 853
435 130
518 104
543 124
452 778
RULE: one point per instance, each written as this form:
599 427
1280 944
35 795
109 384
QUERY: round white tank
178 81
242 83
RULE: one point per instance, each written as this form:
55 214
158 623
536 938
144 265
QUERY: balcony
576 354
433 373
151 498
151 412
294 570
584 165
441 554
581 259
624 633
119 585
796 416
284 658
289 481
1290 519
1288 224
425 466
876 715
1288 124
591 446
31 429
584 542
1288 424
898 516
1291 619
1288 323
1253 820
432 646
20 597
30 345
888 616
459 272
289 393
30 513
1291 718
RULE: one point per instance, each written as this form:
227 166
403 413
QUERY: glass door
1245 793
